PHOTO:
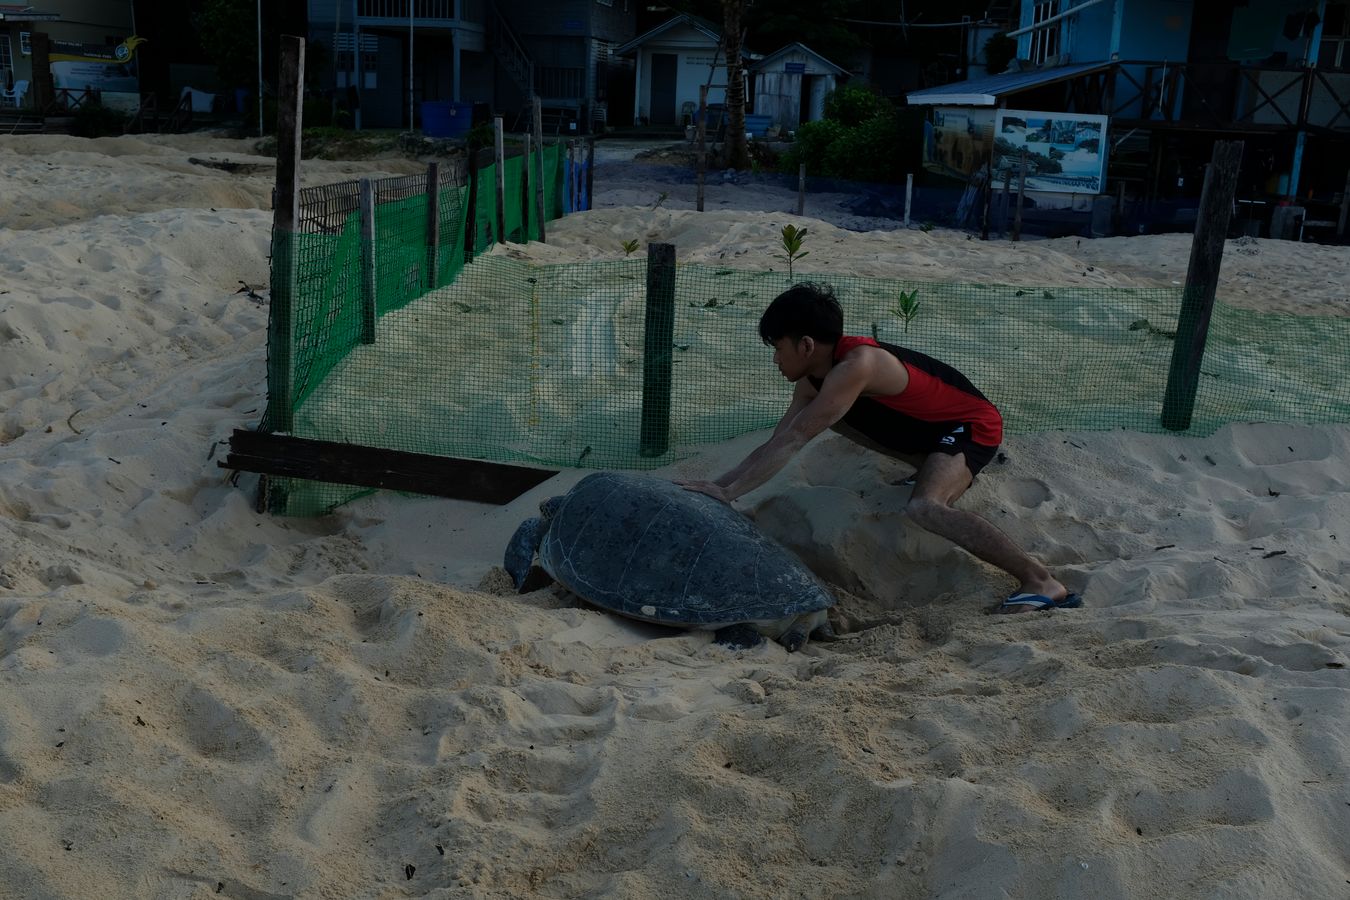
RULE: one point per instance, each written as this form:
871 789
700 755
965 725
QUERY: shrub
813 140
96 120
868 152
853 104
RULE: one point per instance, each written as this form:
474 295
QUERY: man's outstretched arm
799 426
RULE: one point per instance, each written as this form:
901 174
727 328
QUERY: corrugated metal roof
986 91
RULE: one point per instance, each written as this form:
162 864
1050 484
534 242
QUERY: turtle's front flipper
814 623
520 550
738 637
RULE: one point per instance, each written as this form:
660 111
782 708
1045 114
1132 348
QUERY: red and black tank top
938 397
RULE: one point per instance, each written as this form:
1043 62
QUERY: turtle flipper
813 624
738 637
520 550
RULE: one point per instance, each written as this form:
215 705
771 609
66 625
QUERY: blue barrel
444 119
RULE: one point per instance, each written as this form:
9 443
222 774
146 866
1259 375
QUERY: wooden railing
560 83
423 10
1227 94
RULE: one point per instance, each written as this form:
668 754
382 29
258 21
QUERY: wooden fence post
1202 279
499 147
658 347
525 181
471 213
285 226
702 155
801 189
1345 208
590 172
539 166
1021 192
433 225
909 195
368 279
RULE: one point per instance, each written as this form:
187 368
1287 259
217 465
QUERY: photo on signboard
956 141
1065 152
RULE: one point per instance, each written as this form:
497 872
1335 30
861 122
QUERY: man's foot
1022 602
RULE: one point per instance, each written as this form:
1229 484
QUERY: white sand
200 701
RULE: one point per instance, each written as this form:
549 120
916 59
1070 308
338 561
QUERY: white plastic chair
16 94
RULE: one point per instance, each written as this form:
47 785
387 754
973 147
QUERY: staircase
511 53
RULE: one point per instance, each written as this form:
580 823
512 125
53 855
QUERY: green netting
555 364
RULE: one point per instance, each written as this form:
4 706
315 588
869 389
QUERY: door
663 88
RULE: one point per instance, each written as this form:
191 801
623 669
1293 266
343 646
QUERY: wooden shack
790 85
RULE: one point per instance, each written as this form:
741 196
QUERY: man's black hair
803 310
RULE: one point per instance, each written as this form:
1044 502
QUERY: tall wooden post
801 189
368 279
988 197
433 225
1004 201
909 195
525 181
1202 279
1021 192
539 166
590 173
499 147
471 213
1345 208
285 225
573 195
702 155
658 347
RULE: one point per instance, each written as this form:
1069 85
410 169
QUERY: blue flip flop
1040 601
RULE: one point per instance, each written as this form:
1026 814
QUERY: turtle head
521 548
548 509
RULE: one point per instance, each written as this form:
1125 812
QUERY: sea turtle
646 548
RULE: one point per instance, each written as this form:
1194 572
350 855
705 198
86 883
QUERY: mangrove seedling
630 247
793 238
908 307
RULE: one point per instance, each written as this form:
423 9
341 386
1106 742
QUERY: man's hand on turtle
711 488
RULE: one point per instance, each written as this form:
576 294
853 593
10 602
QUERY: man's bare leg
941 480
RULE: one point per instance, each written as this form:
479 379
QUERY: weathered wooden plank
421 473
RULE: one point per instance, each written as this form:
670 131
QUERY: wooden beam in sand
285 221
433 225
395 470
368 272
499 154
1202 280
658 348
538 166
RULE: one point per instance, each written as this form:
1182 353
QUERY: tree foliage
228 32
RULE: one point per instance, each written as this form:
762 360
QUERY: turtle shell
649 549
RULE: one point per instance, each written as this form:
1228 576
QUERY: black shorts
977 455
912 437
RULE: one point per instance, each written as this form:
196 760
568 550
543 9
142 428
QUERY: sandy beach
201 700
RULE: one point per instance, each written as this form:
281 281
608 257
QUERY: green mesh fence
548 364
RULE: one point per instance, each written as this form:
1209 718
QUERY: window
1044 41
346 68
1334 53
6 62
26 43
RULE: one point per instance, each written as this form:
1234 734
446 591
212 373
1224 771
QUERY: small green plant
793 238
926 227
661 199
630 247
908 307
